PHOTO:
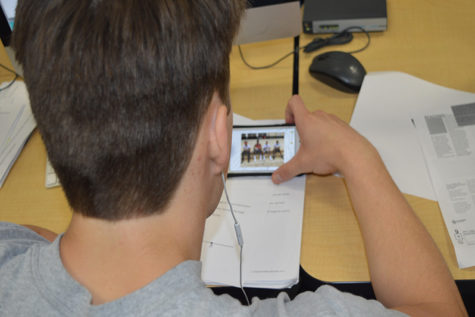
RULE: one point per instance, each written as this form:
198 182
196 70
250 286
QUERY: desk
431 39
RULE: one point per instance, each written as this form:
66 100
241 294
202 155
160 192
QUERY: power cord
269 65
340 38
367 36
13 80
336 39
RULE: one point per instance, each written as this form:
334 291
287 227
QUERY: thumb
286 171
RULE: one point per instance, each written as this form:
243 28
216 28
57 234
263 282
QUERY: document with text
386 103
271 222
448 143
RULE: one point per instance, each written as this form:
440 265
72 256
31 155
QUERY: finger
295 110
286 171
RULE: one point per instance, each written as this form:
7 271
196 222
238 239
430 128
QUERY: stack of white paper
271 222
16 125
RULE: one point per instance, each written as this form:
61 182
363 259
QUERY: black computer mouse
339 70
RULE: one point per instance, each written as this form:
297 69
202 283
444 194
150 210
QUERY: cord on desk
269 65
336 39
343 37
13 80
367 36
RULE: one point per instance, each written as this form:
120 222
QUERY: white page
386 103
241 120
6 119
15 97
271 222
12 105
450 154
51 179
12 149
12 126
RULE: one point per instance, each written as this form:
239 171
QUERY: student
276 149
112 84
258 150
266 149
246 151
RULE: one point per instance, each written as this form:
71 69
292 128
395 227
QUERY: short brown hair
119 88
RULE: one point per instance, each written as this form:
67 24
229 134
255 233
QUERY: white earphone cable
240 240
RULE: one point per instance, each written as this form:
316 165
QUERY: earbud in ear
224 179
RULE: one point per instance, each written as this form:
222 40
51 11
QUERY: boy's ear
219 138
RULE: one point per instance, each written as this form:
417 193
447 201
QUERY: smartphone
260 150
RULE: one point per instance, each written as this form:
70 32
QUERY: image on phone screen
261 149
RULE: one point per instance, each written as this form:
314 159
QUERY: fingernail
278 178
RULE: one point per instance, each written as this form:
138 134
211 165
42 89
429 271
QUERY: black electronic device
7 19
260 150
339 70
323 16
7 16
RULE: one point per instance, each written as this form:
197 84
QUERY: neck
113 259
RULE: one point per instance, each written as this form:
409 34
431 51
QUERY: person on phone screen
276 149
246 152
258 150
266 149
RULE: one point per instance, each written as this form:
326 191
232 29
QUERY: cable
240 278
237 229
340 38
367 35
13 80
336 39
269 65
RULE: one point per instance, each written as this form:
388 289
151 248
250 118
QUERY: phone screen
261 149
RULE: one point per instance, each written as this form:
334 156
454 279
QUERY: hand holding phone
329 145
260 150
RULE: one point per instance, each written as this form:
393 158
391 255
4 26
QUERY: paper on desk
51 179
271 222
17 123
448 141
386 103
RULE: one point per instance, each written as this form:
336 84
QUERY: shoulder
328 301
16 239
192 298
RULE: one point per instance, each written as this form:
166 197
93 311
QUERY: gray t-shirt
34 282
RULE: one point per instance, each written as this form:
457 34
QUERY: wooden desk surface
431 39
